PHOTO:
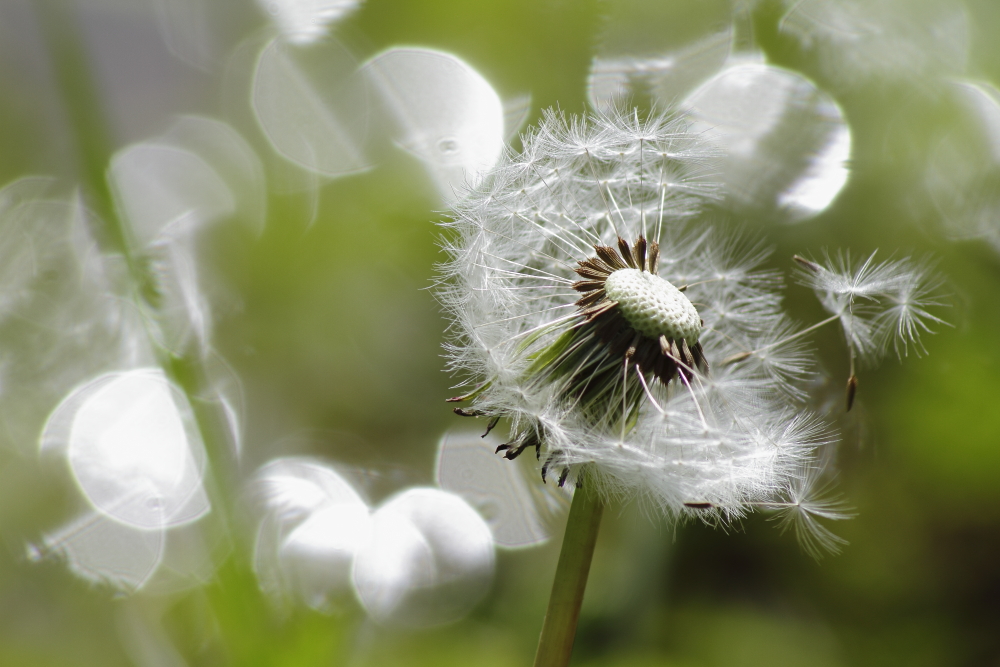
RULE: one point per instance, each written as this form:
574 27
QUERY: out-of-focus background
243 197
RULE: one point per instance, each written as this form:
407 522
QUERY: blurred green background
335 335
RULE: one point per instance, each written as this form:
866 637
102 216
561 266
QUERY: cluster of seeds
666 368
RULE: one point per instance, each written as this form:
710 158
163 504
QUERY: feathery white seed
653 306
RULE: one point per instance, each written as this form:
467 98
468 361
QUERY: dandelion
595 313
637 351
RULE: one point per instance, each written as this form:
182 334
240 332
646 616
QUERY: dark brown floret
608 255
588 285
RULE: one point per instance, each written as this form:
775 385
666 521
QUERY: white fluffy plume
716 441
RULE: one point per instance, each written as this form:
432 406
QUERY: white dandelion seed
811 498
615 334
876 303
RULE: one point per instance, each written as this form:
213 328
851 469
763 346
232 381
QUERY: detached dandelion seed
876 303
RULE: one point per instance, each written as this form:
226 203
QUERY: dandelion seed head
595 311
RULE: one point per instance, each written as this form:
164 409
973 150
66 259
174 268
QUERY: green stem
559 628
86 116
84 110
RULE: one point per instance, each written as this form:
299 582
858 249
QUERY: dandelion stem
555 645
86 116
85 112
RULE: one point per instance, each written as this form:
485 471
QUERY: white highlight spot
823 179
137 459
134 454
303 22
165 190
318 555
313 525
613 80
430 560
446 113
786 143
516 510
312 108
963 170
231 157
659 49
860 40
983 101
108 552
